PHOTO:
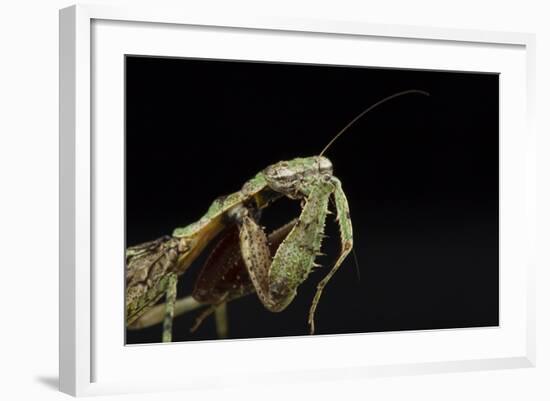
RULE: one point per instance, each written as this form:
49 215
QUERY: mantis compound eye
325 165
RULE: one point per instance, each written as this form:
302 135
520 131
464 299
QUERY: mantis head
285 177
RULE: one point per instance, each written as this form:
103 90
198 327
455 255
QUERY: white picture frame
88 366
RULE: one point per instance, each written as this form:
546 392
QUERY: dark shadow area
50 382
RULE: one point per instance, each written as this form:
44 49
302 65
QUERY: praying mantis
246 259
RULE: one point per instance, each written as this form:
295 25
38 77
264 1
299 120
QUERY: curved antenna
369 109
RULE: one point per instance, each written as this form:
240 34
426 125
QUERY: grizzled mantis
275 272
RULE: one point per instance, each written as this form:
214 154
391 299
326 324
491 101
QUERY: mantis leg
220 316
224 277
346 236
211 290
276 280
156 314
221 320
171 292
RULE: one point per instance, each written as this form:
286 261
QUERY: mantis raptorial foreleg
346 237
277 279
222 278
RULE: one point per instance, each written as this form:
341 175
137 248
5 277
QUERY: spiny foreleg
276 280
346 236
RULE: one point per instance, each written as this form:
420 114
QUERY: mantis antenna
410 91
369 109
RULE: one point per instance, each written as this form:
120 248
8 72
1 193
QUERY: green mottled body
277 278
151 267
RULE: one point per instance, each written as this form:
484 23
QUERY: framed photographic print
357 196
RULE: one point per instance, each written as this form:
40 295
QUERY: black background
420 174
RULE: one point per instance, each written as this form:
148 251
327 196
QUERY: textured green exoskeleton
274 274
276 279
152 266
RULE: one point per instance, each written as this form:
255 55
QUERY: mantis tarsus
273 273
